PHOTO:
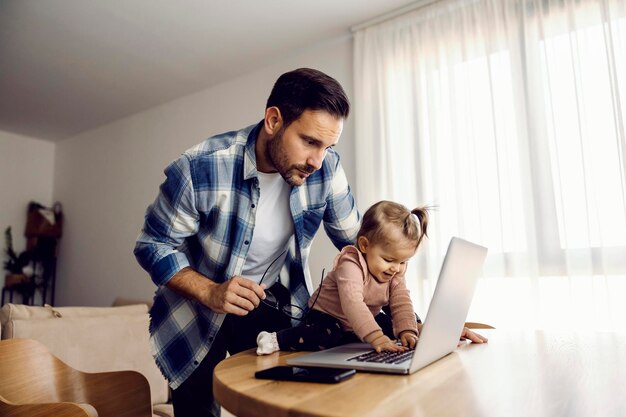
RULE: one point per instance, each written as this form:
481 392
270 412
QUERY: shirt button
246 242
254 205
195 362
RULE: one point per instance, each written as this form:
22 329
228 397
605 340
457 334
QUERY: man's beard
275 153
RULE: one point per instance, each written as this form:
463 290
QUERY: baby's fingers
410 341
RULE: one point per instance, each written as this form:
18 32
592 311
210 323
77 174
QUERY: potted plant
17 266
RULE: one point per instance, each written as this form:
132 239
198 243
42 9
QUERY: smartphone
305 374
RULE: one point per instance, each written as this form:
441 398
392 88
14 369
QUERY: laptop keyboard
383 357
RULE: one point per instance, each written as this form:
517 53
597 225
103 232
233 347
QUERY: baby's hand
384 343
408 339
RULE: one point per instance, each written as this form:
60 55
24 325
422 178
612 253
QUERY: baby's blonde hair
412 223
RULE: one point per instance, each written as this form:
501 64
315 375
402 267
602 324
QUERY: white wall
26 174
107 177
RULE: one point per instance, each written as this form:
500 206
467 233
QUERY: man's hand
474 337
236 296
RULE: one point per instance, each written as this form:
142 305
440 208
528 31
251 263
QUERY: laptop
442 328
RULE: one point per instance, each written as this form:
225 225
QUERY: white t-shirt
272 230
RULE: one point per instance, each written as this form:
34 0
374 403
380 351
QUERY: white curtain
508 116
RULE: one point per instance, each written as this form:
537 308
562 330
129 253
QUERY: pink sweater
353 296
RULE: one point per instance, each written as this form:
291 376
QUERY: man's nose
316 159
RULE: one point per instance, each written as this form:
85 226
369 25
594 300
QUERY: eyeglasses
292 311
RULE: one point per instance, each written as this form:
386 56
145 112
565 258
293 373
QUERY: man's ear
363 243
273 120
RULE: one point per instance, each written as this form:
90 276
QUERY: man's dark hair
307 89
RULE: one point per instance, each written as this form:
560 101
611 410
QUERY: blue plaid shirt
204 217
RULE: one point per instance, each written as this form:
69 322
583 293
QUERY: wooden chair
36 383
474 325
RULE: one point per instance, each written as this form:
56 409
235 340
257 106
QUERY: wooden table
531 373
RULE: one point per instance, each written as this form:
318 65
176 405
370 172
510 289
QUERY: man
237 208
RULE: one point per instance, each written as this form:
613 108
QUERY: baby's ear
363 243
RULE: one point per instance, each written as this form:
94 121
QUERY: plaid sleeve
168 221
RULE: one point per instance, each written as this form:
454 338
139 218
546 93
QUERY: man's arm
168 222
342 219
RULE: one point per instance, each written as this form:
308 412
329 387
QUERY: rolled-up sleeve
168 221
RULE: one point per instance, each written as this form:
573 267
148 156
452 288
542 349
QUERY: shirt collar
249 160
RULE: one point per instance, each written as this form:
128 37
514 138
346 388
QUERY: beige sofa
93 339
